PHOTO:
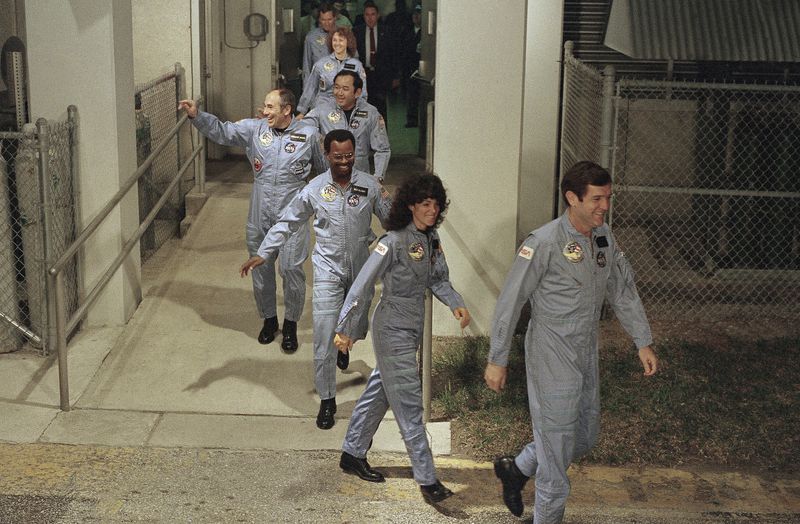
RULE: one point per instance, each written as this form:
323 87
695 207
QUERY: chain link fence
37 224
156 114
706 185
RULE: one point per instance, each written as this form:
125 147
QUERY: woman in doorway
409 259
319 84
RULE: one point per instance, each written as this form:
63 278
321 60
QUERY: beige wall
161 37
541 114
91 56
479 85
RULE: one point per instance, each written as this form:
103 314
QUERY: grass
732 405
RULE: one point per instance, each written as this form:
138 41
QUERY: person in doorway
315 45
411 64
281 151
352 112
318 87
379 52
409 259
565 269
342 200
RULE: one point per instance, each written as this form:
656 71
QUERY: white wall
161 37
479 90
81 52
541 113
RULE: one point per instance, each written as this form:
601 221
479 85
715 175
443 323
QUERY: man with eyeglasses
281 151
342 201
358 116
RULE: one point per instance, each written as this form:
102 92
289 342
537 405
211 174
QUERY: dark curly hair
413 191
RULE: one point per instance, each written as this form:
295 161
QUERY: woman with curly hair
409 259
319 84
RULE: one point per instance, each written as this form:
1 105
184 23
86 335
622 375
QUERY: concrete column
480 67
81 52
540 116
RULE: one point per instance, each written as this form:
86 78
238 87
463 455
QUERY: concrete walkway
182 416
187 370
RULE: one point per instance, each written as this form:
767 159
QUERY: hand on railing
189 106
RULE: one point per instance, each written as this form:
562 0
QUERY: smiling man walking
565 269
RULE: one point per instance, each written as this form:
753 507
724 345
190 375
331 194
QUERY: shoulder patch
526 252
381 249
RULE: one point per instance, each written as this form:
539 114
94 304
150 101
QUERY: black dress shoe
327 409
289 343
360 467
342 360
434 493
513 481
267 334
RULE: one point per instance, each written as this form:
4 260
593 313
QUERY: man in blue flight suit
358 116
316 43
566 269
280 150
342 200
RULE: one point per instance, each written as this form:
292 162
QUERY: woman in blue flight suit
409 259
318 87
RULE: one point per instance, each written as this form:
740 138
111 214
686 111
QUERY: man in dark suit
378 50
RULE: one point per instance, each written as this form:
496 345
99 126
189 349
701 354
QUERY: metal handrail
55 273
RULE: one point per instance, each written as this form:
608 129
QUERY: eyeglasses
343 156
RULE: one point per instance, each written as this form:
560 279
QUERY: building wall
88 62
541 114
479 88
162 36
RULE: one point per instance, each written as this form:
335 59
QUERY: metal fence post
57 283
607 128
72 120
43 151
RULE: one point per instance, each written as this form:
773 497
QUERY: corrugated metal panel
706 30
585 25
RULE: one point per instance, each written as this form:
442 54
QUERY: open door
425 78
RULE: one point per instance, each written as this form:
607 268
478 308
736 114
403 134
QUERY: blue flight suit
566 276
408 261
342 229
318 86
281 162
366 124
315 48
